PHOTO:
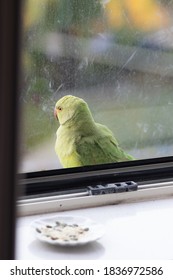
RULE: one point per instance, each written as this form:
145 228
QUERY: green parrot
80 140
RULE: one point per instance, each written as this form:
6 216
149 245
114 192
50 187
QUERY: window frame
9 50
52 191
147 170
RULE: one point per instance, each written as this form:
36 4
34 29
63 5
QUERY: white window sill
141 230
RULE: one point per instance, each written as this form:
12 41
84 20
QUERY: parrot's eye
59 108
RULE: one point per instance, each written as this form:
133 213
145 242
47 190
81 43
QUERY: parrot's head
70 107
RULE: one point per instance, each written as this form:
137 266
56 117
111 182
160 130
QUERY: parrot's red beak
55 114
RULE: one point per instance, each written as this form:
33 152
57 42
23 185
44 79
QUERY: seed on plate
58 229
86 229
74 238
54 238
63 224
38 230
48 226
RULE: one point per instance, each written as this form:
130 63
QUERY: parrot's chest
65 142
65 148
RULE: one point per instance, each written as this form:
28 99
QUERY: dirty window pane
117 55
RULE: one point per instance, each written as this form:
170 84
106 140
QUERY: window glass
117 55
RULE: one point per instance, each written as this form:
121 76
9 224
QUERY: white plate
67 230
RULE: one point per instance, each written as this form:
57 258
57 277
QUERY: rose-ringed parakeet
80 140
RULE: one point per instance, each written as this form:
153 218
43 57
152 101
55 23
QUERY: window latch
112 188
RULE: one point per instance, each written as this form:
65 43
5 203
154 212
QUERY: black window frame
9 63
78 179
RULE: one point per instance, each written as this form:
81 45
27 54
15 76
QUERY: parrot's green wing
99 148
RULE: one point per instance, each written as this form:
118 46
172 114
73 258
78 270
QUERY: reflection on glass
117 55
